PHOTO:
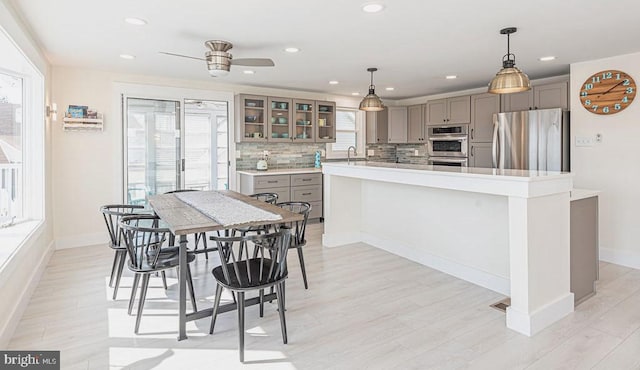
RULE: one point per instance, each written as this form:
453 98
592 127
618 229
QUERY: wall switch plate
416 152
584 141
323 153
238 154
370 152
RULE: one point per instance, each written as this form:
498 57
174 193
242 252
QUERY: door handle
494 145
471 134
182 164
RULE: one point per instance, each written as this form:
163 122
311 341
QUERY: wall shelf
82 124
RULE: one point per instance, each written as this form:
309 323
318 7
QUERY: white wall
87 166
611 166
20 275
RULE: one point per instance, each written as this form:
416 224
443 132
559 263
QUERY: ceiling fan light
509 80
218 72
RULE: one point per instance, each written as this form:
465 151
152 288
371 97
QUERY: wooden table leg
182 289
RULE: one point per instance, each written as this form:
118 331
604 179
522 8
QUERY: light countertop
577 194
281 171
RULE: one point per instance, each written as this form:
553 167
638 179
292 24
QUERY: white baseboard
82 240
21 304
620 257
475 276
530 324
338 239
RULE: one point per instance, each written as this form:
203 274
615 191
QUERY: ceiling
414 43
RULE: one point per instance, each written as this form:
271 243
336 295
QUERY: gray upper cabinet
449 111
480 155
326 125
280 120
252 116
539 97
377 127
397 124
483 107
415 124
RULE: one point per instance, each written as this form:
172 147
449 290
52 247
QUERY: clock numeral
587 102
629 90
626 82
596 79
607 75
584 93
605 110
625 100
595 108
617 106
617 76
588 86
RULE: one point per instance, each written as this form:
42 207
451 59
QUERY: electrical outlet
584 141
265 153
323 153
370 152
599 138
416 152
238 154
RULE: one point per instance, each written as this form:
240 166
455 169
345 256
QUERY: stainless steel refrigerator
531 140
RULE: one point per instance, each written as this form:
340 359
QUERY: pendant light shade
371 102
509 79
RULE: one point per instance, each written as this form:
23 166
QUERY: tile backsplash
286 155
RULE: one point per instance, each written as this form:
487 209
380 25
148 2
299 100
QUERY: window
11 120
349 131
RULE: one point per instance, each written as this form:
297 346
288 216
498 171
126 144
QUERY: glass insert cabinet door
304 117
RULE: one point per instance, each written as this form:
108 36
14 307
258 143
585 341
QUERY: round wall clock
607 92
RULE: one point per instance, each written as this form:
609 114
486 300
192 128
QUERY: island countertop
280 171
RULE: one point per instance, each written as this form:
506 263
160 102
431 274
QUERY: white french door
174 144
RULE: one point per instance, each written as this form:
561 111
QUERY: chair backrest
143 239
298 228
241 269
112 213
179 191
271 198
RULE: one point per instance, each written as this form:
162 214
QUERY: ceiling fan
219 60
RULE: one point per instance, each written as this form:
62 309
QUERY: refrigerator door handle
494 145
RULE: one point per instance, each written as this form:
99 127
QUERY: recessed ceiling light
546 59
372 8
249 72
292 50
390 88
127 56
355 93
333 82
451 77
135 21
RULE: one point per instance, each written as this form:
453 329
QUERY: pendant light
509 79
371 102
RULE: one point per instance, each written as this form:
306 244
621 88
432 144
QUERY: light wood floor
365 309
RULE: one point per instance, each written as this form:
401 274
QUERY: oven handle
449 138
452 160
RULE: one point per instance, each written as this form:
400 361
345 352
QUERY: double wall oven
448 145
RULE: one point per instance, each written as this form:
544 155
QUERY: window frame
360 137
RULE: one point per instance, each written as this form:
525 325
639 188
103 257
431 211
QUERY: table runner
225 210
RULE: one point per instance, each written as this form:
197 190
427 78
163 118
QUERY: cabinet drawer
306 179
266 182
283 193
316 209
306 193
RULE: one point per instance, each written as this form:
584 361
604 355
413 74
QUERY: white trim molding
620 257
82 240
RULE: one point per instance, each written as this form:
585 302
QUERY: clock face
607 92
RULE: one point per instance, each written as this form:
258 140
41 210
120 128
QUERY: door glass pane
206 145
152 148
11 108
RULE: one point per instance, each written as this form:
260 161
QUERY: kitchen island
506 230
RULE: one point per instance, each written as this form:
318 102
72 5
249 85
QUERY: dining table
192 217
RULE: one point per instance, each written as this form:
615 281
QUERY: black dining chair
240 273
197 236
147 246
298 230
112 214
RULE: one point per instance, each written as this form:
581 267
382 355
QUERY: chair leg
121 261
134 289
241 324
143 296
192 292
216 304
283 322
261 302
204 243
164 279
304 272
116 258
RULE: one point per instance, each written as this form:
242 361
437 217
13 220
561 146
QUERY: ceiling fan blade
180 55
253 62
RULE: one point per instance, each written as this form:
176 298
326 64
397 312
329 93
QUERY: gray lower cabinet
584 247
480 155
302 187
539 97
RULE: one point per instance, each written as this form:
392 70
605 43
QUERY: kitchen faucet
349 153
